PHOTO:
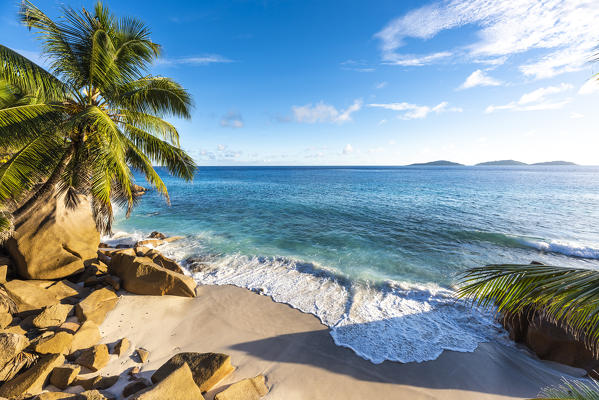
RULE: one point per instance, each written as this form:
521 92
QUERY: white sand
298 356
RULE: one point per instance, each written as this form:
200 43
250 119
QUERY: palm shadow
493 368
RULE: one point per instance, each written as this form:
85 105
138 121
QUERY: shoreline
296 353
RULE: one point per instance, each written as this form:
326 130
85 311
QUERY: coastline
298 356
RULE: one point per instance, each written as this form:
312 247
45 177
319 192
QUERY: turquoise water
361 247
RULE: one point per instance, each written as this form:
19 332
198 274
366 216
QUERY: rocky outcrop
207 368
35 295
86 336
178 384
550 341
52 242
247 389
141 275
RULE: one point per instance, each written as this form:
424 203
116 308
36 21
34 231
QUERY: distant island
555 163
439 163
445 163
500 162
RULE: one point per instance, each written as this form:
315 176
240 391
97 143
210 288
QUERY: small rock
178 384
3 272
150 242
32 381
59 343
207 368
91 395
55 396
157 235
94 358
173 238
135 387
95 306
247 389
63 376
143 354
11 344
52 316
121 347
111 280
87 336
97 382
134 370
69 327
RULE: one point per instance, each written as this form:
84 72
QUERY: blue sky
372 82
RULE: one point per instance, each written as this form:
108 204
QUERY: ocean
374 252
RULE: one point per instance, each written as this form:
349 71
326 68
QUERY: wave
567 248
383 321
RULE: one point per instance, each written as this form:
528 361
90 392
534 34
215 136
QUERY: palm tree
82 128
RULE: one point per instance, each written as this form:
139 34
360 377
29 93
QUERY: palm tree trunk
46 190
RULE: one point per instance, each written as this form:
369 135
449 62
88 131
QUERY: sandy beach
298 356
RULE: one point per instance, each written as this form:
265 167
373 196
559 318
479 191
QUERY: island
500 162
555 163
438 163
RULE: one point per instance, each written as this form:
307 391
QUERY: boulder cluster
50 341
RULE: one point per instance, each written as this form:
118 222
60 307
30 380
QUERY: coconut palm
83 126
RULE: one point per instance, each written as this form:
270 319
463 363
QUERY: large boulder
207 369
177 385
247 389
140 275
51 241
550 341
32 380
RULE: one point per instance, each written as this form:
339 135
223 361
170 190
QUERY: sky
325 82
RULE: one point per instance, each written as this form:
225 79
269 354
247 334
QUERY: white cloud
479 78
322 112
414 60
381 85
566 29
576 115
591 86
414 111
196 60
536 100
348 149
541 93
221 147
232 119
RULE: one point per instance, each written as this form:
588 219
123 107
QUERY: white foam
389 321
570 249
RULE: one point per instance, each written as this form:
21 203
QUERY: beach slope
299 358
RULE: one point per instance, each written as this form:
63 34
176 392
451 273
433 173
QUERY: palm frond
154 95
29 166
152 124
21 123
568 297
29 77
176 161
572 390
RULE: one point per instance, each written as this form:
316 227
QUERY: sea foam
384 321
